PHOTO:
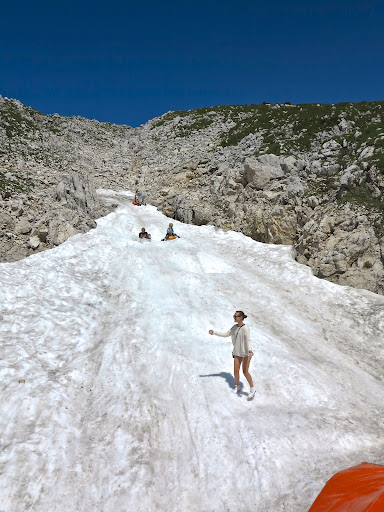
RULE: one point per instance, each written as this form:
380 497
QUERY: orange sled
356 489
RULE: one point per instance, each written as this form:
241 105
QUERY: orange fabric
357 489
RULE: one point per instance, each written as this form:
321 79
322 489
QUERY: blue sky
127 62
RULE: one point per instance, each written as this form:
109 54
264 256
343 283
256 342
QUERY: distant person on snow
144 234
242 349
170 232
140 197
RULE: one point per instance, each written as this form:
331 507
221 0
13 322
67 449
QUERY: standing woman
242 349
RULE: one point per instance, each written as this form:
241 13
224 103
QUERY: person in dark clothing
144 234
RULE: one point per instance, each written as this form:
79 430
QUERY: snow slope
127 403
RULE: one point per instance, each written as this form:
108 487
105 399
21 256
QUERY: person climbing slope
242 350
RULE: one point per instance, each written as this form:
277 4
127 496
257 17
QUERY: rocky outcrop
342 246
77 193
260 171
48 217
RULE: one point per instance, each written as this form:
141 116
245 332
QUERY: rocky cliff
47 192
311 176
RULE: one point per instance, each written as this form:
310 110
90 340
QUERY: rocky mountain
311 176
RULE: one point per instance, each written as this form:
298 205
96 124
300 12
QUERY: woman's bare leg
236 369
247 375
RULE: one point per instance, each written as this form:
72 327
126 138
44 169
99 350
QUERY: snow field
127 402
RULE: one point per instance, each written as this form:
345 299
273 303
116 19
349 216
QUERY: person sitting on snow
144 234
170 232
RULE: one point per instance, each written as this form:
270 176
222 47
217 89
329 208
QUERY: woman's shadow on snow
229 379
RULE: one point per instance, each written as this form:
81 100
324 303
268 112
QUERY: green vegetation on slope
292 129
361 195
14 121
295 128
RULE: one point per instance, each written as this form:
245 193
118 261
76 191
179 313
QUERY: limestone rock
289 164
60 231
329 170
350 177
294 189
312 201
202 216
77 193
6 222
343 248
34 242
42 234
259 171
23 227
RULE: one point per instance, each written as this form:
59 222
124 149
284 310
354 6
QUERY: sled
354 489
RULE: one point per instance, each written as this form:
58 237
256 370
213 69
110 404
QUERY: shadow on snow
229 379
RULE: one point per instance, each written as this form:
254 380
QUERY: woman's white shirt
241 339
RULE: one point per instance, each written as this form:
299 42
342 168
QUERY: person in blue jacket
170 232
